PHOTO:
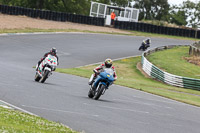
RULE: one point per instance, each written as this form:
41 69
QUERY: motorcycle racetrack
63 98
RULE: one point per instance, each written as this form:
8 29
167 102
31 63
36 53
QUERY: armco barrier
51 15
165 77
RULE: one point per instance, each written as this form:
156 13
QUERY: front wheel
45 76
90 93
99 92
37 77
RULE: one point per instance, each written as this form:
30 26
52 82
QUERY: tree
153 9
70 6
161 10
178 16
122 3
192 11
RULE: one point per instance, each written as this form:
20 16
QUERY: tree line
188 13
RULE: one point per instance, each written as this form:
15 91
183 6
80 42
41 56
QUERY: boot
92 78
37 67
90 83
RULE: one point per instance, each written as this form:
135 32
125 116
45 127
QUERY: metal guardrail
166 77
195 49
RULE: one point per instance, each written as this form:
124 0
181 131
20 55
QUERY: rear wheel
45 76
37 77
99 92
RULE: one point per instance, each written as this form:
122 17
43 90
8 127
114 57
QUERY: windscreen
109 70
52 58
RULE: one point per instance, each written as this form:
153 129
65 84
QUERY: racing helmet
108 63
53 50
148 40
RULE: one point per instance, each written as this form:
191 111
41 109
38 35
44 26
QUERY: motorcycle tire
90 94
43 79
99 92
37 77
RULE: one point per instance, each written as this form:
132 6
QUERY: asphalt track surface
63 98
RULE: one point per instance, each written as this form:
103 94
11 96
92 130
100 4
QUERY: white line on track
169 100
15 107
122 109
131 110
148 104
57 110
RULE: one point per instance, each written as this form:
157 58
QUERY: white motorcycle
45 68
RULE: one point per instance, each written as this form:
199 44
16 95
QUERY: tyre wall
61 16
51 15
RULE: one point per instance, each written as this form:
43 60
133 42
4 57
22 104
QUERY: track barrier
158 74
63 17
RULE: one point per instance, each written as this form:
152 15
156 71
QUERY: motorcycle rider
107 64
52 52
145 44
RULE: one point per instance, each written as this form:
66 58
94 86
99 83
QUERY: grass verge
12 121
178 65
130 76
131 33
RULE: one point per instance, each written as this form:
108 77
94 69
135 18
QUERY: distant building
122 14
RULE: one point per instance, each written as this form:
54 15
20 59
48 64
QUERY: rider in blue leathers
97 70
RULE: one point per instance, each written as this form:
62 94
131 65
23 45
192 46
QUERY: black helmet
53 50
108 63
148 40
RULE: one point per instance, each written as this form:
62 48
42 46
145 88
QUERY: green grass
172 61
130 76
131 33
12 121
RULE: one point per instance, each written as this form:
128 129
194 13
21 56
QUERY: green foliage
186 14
122 3
192 10
178 17
70 6
150 10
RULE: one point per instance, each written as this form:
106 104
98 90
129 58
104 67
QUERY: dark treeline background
81 7
186 14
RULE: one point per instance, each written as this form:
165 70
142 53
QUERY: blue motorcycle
101 83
